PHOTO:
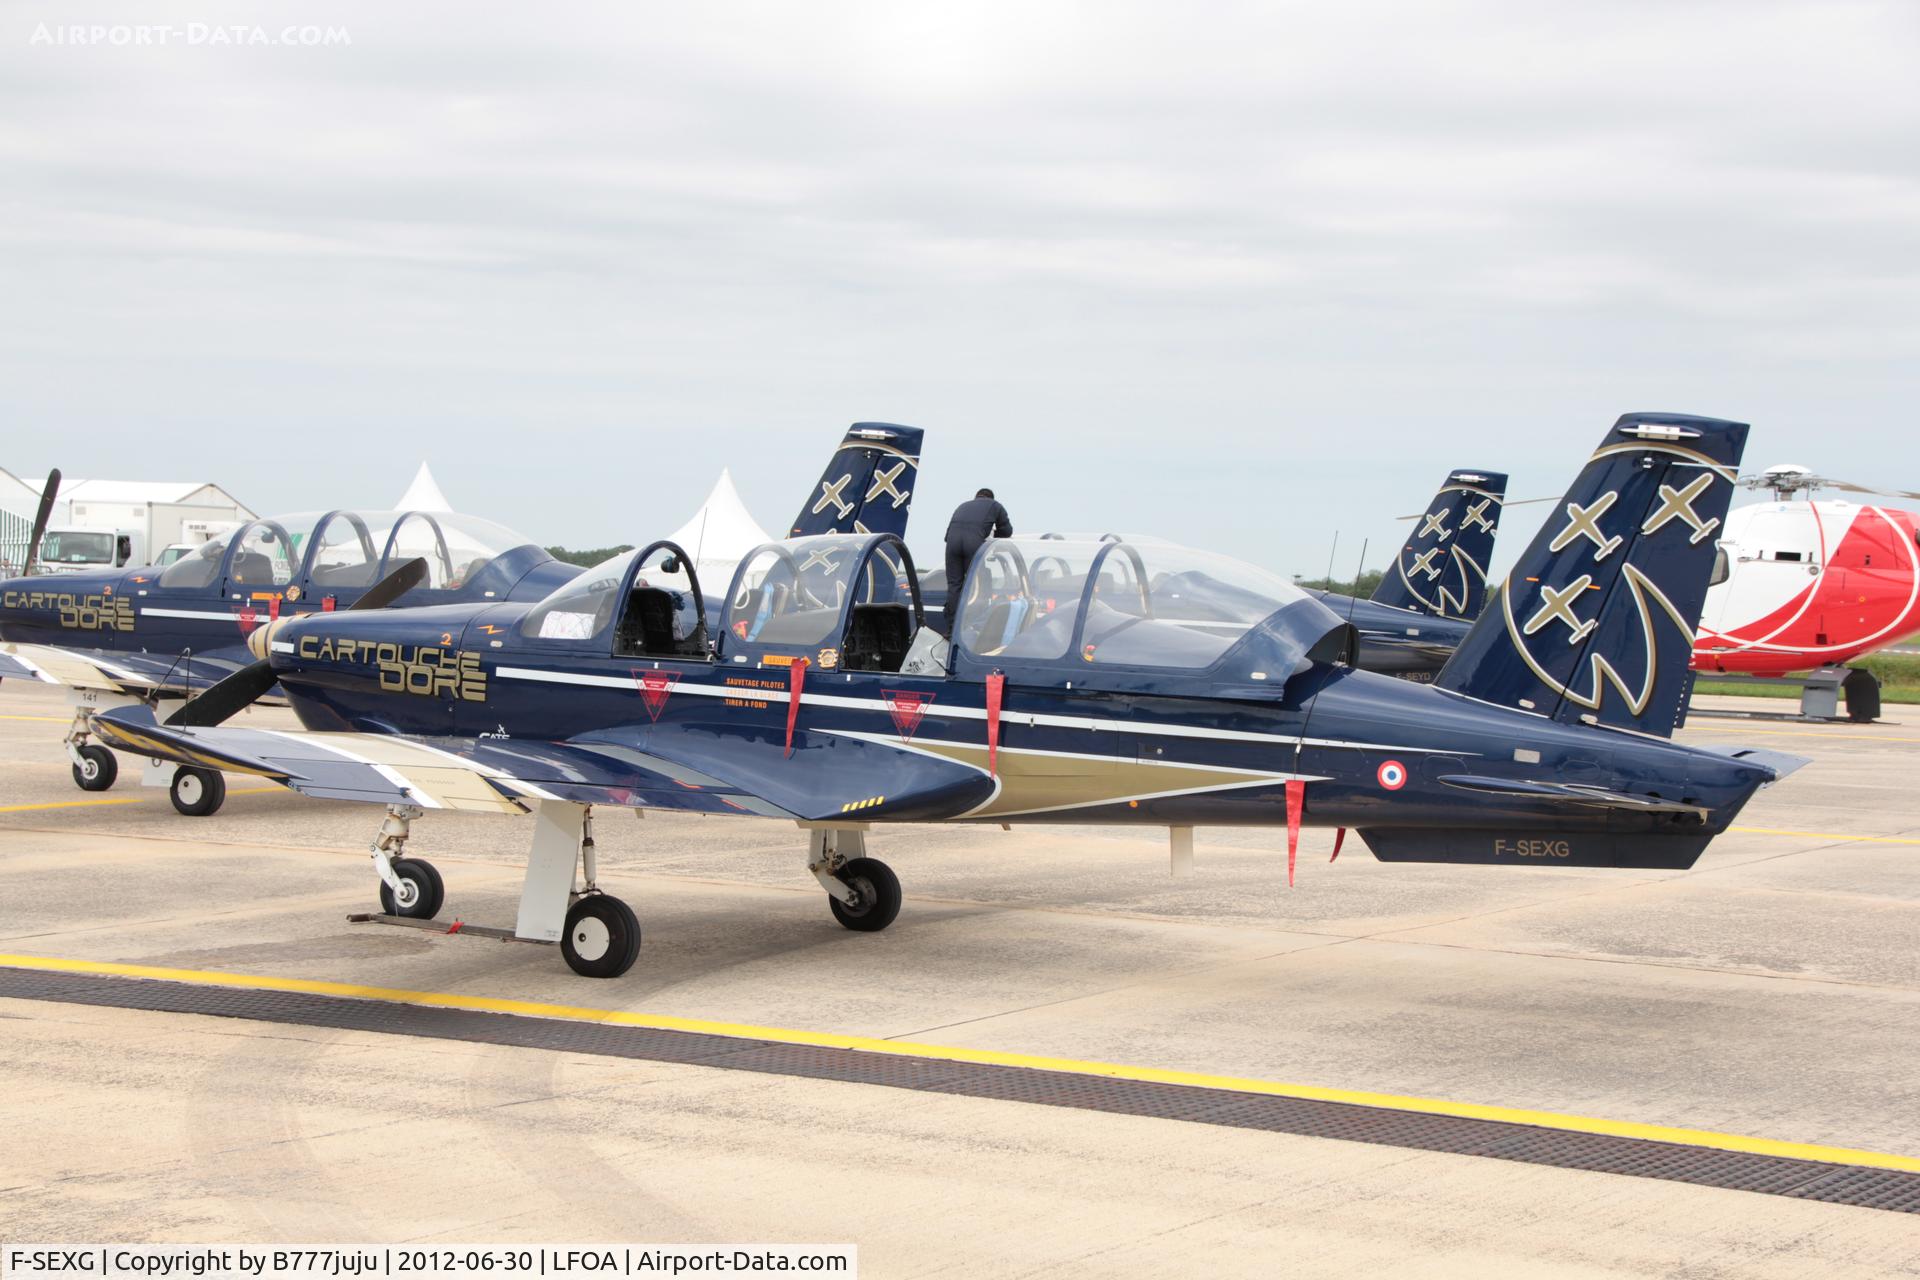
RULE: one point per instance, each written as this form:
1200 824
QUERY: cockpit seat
253 569
344 575
878 637
646 629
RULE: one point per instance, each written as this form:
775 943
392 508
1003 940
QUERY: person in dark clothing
973 522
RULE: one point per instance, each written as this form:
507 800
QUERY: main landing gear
198 793
598 935
862 892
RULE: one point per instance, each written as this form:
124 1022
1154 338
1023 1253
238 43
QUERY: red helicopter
1802 583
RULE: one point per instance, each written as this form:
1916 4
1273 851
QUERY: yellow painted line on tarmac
71 804
1823 835
42 719
79 804
982 1057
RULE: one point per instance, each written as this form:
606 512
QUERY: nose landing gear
863 893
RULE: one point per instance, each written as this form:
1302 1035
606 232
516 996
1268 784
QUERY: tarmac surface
1773 991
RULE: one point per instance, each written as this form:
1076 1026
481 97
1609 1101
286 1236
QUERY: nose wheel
96 767
419 892
874 895
198 793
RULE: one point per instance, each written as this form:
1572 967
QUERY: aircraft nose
260 641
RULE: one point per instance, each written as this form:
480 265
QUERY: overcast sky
1241 275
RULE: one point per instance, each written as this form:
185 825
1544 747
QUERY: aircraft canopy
345 549
1115 603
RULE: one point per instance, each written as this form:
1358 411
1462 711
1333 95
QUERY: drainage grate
1857 1185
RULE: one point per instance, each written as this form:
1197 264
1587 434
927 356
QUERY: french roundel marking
1392 775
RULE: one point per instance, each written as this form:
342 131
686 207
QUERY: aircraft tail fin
1442 569
868 484
1595 622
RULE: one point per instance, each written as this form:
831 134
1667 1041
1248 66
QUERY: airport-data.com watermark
229 34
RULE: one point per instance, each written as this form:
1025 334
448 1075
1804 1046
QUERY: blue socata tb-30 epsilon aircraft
126 636
1178 688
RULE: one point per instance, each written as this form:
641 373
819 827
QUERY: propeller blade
393 586
48 496
226 698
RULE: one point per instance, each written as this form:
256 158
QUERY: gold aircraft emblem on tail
1677 504
883 483
1584 522
830 497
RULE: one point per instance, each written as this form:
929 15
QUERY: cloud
1242 276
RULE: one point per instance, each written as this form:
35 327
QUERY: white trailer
137 518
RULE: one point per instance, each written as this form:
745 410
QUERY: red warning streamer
1296 801
996 689
796 680
1339 838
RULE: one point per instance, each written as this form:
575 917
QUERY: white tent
722 531
423 494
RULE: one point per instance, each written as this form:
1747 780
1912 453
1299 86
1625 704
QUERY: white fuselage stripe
204 614
1017 718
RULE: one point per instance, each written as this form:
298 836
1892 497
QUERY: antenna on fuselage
1353 602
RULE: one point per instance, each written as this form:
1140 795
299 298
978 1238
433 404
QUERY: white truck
70 548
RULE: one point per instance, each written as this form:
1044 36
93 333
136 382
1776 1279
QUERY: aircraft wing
113 672
635 766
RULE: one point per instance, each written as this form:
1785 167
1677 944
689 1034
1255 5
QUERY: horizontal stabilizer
1545 847
1780 762
1571 793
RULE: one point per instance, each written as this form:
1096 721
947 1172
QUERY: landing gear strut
409 887
862 892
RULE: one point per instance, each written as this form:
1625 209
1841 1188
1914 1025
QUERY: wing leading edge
830 778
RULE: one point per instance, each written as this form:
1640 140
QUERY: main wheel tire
98 768
876 895
198 793
422 893
602 938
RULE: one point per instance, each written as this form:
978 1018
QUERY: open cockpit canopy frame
1139 616
837 600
